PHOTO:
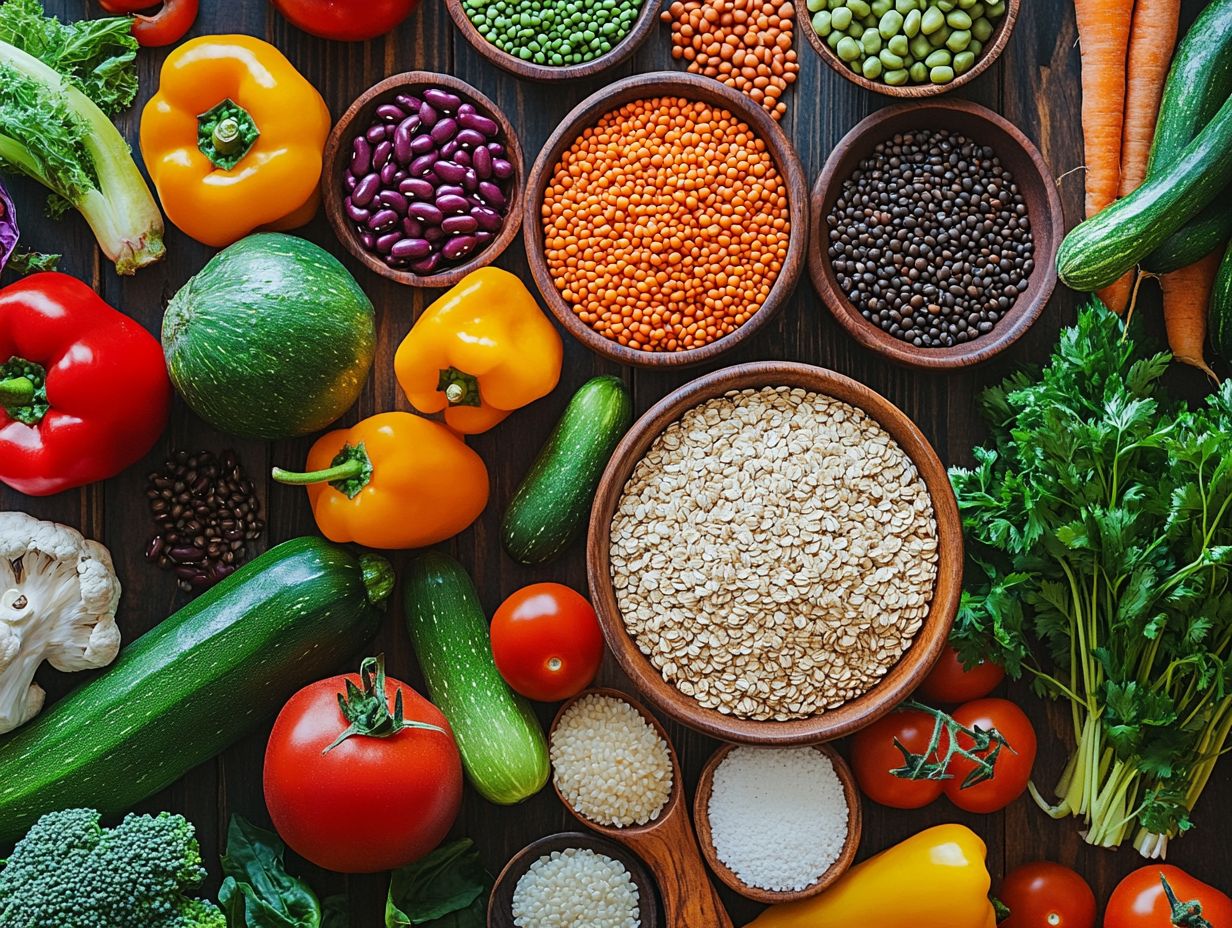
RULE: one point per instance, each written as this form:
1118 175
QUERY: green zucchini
1098 251
1220 315
550 506
195 683
504 751
1199 81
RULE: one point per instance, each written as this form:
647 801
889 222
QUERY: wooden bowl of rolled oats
775 554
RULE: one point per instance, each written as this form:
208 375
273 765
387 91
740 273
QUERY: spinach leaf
446 889
258 892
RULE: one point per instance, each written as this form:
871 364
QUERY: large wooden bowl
1035 184
642 27
338 152
855 825
992 51
899 681
587 114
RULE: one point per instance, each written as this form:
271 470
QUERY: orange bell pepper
482 350
233 139
394 480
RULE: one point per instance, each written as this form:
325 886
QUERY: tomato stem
367 709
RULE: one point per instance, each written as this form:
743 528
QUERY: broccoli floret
69 872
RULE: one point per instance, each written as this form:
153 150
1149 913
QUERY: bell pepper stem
227 135
347 470
16 391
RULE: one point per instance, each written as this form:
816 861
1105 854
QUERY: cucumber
1220 314
550 506
195 683
504 751
1098 251
1199 81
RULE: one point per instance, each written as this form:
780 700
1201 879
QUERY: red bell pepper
83 388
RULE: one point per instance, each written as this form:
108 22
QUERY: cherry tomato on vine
547 642
950 682
1141 901
346 20
1012 768
873 756
1046 895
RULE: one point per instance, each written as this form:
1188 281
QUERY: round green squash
272 339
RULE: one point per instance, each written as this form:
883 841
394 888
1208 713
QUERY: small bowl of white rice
573 880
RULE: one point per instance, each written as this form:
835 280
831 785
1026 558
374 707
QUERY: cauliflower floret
58 598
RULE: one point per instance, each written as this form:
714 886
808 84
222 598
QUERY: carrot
1187 295
1151 40
1103 37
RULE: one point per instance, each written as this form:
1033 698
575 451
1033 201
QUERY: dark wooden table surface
1035 85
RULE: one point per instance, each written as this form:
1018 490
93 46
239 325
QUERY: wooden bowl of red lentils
666 220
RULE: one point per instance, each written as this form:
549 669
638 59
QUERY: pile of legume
907 41
930 239
666 224
428 182
746 44
576 887
554 32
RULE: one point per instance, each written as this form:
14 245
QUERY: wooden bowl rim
674 799
501 898
998 41
642 27
692 87
855 827
900 680
1043 208
339 140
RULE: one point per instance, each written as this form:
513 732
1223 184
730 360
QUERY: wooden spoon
668 844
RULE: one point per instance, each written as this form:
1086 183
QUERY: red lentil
666 224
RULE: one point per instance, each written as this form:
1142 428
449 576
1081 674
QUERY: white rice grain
576 888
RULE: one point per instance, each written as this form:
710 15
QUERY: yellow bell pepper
482 350
935 879
233 139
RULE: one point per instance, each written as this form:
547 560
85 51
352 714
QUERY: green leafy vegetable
335 912
1099 539
258 892
31 262
58 83
446 889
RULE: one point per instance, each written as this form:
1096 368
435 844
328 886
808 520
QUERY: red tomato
1140 901
547 642
873 756
346 20
950 683
168 25
369 803
1046 895
1012 771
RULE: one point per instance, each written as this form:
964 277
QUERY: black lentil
930 239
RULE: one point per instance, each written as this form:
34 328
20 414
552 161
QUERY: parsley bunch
1099 536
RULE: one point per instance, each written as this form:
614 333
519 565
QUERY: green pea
900 46
920 46
963 62
835 4
840 19
932 20
911 24
975 47
966 4
872 68
982 29
859 8
946 5
904 6
892 61
976 12
938 58
869 21
856 30
871 40
995 10
938 38
957 19
821 23
834 38
890 24
848 49
880 7
958 41
918 72
896 78
816 5
941 75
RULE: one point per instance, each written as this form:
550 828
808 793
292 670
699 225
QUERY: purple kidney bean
463 158
417 187
470 180
469 138
366 189
444 130
492 194
481 124
426 265
449 171
449 149
442 99
422 144
466 109
407 102
402 139
361 156
382 220
434 234
349 182
368 240
412 227
355 213
382 153
489 220
391 199
390 112
375 133
427 115
497 149
447 189
388 172
452 204
425 213
483 237
458 247
422 165
385 243
456 224
411 248
481 161
502 168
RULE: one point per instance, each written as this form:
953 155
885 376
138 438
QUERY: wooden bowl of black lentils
423 179
935 231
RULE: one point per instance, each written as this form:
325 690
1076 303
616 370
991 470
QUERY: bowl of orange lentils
666 220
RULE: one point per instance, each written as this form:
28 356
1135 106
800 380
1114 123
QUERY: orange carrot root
1116 294
1103 36
1151 42
1187 295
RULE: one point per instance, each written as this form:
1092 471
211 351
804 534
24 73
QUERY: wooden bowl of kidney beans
423 179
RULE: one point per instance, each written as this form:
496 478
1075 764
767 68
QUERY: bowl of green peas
908 48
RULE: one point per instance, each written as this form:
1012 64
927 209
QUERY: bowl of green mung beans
908 48
549 40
